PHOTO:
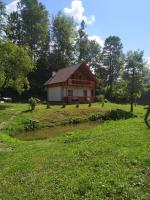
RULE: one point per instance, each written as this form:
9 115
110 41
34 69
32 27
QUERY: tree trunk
132 102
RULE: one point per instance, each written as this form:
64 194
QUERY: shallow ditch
41 134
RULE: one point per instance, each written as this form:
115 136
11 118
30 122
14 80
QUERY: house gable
74 72
83 73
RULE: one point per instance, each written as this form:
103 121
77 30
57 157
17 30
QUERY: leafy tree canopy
15 64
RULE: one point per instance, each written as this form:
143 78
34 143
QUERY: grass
53 116
111 161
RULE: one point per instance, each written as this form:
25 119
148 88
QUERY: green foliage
31 125
32 103
48 106
95 117
2 14
119 114
113 60
63 105
16 64
77 105
100 98
133 74
82 43
112 115
35 25
90 104
110 161
72 120
63 35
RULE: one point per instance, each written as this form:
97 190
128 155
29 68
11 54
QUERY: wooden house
72 84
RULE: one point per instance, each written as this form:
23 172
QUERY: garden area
108 161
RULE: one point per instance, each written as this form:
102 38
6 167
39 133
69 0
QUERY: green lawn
111 161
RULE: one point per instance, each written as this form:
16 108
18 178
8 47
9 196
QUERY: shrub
100 98
95 117
106 101
31 125
48 105
63 105
77 105
72 120
90 104
119 114
32 103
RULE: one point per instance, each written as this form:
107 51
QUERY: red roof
63 75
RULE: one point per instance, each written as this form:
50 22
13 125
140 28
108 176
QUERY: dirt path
4 124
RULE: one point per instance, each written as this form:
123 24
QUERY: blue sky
128 19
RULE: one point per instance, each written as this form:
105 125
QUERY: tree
63 35
14 29
2 14
82 43
94 56
112 60
35 26
15 64
133 74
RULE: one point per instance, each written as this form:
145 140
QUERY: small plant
72 120
90 104
32 103
63 105
100 98
31 125
95 117
48 105
106 101
77 105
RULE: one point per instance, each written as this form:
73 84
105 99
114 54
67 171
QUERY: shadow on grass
27 111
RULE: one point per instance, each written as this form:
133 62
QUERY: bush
95 117
90 104
77 105
63 105
48 105
119 114
32 103
106 101
100 98
31 125
72 121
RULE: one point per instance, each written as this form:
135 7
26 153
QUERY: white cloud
77 11
97 39
11 7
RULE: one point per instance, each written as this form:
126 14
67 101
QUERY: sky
128 19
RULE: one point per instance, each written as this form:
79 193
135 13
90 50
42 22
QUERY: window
70 93
92 93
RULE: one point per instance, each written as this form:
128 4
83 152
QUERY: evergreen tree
134 75
82 43
63 38
113 60
2 14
